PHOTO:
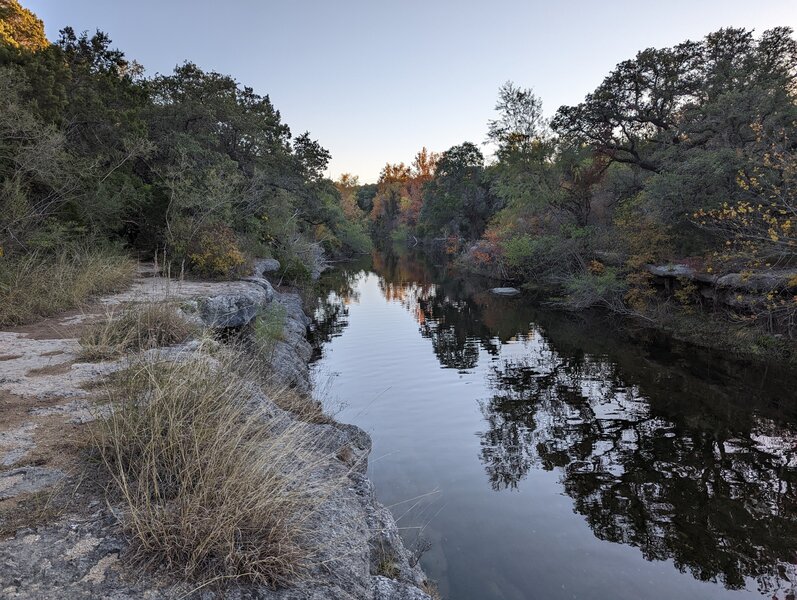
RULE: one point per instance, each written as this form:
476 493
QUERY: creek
536 454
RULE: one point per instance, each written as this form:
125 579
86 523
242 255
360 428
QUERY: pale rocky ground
58 536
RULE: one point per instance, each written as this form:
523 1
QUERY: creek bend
552 456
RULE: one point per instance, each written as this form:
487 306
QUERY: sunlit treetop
20 28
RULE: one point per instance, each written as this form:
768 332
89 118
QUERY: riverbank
64 531
748 315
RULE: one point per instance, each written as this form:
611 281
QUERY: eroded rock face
233 309
758 282
291 354
319 262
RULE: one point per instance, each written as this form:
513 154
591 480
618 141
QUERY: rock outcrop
81 552
265 266
744 291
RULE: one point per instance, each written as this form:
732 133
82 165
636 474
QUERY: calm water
546 456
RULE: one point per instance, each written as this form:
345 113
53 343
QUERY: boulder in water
505 291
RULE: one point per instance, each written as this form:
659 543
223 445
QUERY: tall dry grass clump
38 285
135 327
212 490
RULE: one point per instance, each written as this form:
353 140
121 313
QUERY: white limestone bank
80 551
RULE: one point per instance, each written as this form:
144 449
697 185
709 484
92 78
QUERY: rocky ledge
78 551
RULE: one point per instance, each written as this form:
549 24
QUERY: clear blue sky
375 80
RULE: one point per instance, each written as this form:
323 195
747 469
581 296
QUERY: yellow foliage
596 267
20 28
215 253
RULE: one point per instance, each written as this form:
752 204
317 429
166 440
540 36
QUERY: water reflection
718 498
676 452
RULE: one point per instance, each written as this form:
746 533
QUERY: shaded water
547 456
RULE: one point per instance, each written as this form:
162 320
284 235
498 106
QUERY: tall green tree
458 201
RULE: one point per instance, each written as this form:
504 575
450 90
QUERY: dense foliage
192 164
682 154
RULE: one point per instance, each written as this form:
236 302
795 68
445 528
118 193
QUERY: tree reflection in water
676 452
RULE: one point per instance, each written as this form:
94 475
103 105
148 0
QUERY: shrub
537 257
295 270
354 239
210 489
138 327
39 284
214 253
268 326
590 289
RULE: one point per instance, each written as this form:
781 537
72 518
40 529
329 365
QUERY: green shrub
535 257
354 239
590 289
294 270
269 325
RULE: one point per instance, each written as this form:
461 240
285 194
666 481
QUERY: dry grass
305 407
29 511
39 285
386 563
430 588
136 327
211 491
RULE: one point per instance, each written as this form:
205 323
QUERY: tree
520 124
691 95
762 227
312 156
638 101
579 171
390 194
366 195
20 28
458 200
422 171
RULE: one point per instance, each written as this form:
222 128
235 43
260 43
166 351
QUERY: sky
374 81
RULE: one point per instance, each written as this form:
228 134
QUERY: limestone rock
27 480
758 282
389 589
233 309
263 266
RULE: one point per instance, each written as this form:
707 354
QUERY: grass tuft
39 285
304 406
212 491
430 589
269 326
139 327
